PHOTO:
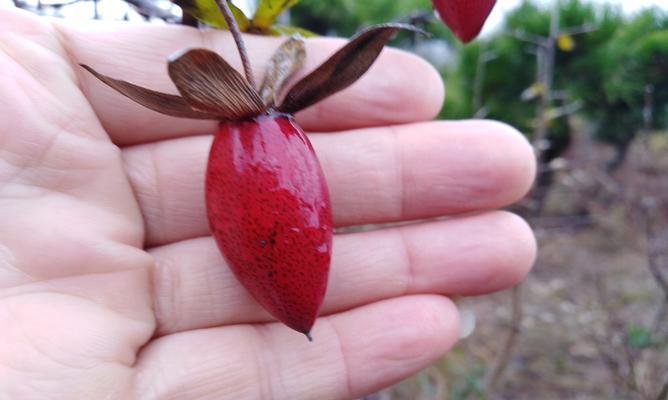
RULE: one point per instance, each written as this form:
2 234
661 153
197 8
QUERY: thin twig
612 321
529 37
566 109
578 30
653 259
503 359
649 207
663 394
545 59
659 319
484 57
236 34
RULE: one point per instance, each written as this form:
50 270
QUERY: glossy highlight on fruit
266 196
464 17
269 210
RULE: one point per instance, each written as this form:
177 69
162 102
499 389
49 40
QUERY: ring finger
467 255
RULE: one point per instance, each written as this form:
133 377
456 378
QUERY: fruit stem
236 34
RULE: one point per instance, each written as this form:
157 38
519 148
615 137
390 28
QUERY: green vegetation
345 17
611 69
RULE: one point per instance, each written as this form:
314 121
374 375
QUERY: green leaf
208 12
638 337
289 30
268 10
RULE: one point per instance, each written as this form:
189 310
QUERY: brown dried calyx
210 88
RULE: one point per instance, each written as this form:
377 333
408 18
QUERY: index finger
399 88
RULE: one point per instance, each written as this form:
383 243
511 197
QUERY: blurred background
587 82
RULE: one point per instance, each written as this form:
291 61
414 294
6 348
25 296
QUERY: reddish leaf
163 103
209 84
343 68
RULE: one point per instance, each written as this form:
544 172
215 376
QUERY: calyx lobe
210 88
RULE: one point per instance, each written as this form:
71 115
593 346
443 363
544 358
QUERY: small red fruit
269 211
266 196
464 17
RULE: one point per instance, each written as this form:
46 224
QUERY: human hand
111 287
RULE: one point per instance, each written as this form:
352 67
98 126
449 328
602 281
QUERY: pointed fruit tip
309 337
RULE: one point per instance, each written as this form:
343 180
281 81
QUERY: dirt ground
594 323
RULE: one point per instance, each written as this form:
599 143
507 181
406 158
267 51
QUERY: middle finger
375 175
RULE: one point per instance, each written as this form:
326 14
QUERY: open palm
111 287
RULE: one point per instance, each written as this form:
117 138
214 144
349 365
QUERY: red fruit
464 17
269 210
266 196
